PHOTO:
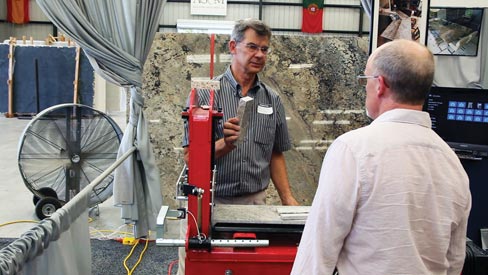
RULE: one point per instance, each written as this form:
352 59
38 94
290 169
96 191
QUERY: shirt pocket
265 129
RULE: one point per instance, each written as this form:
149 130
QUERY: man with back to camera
392 198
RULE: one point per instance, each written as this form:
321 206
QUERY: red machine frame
202 257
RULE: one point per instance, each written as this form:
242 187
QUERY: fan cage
67 146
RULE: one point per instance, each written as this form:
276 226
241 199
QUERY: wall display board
398 19
454 31
203 7
44 76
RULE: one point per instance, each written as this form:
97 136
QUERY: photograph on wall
454 31
399 19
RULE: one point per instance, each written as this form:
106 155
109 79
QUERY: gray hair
242 25
408 68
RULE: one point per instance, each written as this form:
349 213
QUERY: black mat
108 258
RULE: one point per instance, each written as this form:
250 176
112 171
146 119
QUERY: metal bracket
192 190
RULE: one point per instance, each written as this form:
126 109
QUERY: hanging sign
208 7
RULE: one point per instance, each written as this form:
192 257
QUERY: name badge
265 110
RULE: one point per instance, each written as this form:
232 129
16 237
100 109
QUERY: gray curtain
116 36
57 245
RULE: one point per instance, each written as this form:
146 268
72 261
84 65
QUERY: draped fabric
312 14
367 6
18 11
59 244
116 36
45 249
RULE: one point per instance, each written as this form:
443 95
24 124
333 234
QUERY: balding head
408 68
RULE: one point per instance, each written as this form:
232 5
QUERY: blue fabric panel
3 78
56 74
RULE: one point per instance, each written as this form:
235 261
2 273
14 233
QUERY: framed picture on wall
454 31
398 19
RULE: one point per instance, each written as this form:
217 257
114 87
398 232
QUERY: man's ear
382 86
232 46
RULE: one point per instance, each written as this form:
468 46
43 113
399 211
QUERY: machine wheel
46 192
45 207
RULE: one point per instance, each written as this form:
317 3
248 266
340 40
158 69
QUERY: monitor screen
460 117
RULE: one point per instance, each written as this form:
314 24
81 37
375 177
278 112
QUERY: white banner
460 4
208 7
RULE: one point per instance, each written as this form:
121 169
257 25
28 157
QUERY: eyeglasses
363 79
253 48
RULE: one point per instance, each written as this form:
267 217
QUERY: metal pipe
212 192
239 243
170 242
199 213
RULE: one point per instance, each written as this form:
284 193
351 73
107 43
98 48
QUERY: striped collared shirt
246 169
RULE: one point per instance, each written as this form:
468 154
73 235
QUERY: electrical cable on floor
110 236
170 267
19 221
130 271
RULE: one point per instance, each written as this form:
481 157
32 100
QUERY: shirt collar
405 116
237 87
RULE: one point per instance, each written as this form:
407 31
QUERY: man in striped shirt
244 170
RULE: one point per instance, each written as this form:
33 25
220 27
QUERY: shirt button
243 160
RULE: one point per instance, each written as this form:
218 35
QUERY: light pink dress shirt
392 198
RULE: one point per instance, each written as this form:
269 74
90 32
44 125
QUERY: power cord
200 236
170 267
130 271
19 221
115 235
104 237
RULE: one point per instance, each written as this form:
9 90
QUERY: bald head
408 68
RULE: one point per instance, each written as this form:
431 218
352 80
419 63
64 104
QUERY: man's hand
231 131
290 200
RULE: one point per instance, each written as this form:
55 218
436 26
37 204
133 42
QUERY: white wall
110 98
459 3
276 16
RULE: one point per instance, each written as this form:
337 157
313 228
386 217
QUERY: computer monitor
460 117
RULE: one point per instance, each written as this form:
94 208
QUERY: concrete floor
16 200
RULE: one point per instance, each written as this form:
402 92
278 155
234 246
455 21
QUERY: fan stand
62 150
74 145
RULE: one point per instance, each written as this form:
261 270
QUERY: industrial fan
62 150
